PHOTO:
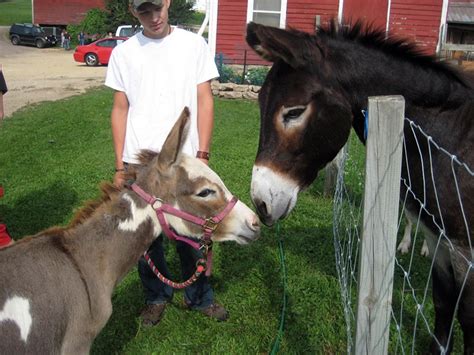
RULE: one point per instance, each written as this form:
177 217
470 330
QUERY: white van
127 30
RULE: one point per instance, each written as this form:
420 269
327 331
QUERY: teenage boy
156 73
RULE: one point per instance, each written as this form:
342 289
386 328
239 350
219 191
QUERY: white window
267 12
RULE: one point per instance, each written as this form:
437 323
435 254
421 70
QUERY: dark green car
27 33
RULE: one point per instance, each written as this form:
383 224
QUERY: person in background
63 31
81 37
67 41
5 238
155 74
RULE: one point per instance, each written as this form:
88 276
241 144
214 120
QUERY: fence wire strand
412 309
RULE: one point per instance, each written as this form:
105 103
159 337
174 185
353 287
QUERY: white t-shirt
160 78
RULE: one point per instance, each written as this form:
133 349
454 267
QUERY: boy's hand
119 180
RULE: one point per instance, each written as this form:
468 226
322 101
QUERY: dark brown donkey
56 286
315 91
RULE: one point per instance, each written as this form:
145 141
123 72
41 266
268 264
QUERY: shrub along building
421 21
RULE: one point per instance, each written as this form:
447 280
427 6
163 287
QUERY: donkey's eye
293 113
206 192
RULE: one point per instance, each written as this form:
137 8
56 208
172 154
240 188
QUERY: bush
93 24
119 14
253 76
226 73
180 12
256 76
197 18
229 75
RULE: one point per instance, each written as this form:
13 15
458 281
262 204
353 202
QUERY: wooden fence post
381 204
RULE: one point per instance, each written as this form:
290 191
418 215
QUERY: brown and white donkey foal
56 286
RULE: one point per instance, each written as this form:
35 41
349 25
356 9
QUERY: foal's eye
206 192
293 113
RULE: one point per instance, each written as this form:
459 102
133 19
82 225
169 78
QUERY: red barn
419 20
62 13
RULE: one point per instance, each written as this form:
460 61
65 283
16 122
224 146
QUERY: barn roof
461 12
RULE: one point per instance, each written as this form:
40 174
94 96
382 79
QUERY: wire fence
412 309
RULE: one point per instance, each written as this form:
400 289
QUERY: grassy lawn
54 155
12 11
197 18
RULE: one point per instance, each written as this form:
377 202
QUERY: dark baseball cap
137 3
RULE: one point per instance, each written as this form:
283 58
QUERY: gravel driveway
34 75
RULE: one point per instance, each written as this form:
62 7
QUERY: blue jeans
199 295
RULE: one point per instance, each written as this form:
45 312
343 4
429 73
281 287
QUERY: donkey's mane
146 156
368 36
108 191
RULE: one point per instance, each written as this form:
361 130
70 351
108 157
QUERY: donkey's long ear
296 48
174 141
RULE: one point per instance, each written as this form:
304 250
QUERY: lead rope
200 267
276 343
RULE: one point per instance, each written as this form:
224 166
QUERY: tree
95 22
181 11
119 14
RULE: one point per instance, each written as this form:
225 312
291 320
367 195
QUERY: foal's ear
174 142
296 48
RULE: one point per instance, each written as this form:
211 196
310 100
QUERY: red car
97 52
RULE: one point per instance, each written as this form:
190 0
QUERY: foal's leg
330 179
466 304
466 318
331 171
444 299
424 249
405 244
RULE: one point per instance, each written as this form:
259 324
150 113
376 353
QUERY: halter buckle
209 224
155 201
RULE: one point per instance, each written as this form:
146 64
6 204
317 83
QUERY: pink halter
209 225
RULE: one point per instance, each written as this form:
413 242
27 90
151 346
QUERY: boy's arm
119 127
205 116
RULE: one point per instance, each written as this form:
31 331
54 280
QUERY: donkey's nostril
255 223
263 211
262 208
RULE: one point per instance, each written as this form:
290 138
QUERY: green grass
12 11
54 155
197 18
